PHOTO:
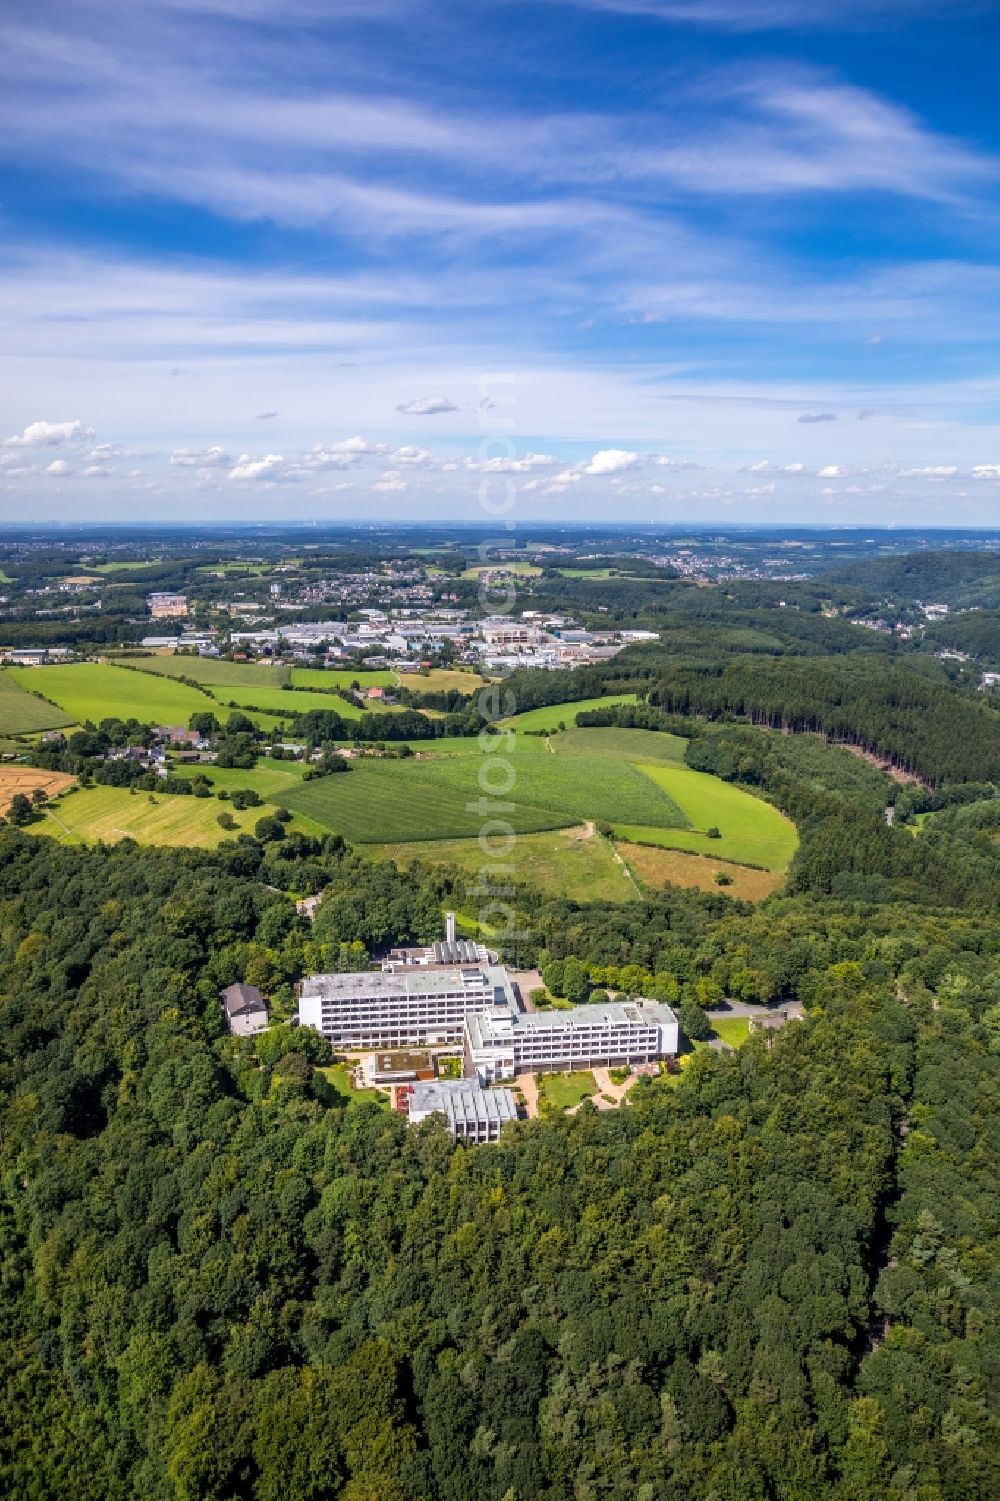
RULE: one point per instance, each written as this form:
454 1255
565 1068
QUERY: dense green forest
778 1278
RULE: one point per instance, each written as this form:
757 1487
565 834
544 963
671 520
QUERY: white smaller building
471 1113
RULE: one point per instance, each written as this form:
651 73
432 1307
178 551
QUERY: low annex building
472 1114
502 1042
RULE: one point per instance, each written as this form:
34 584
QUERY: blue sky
670 260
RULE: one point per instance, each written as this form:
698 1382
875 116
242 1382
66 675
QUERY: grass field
654 867
580 787
96 691
551 717
522 570
107 814
440 680
20 712
285 701
270 778
563 1091
25 779
383 802
568 862
753 832
636 746
329 678
732 1029
215 671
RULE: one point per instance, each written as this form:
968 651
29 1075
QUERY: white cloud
831 471
391 480
930 471
676 466
611 461
51 435
413 458
270 467
103 452
201 458
986 471
426 406
58 467
96 471
523 465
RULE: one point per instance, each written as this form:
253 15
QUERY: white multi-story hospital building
406 1008
502 1042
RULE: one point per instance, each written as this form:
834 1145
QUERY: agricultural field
25 779
440 680
383 802
107 814
578 787
752 831
635 746
550 718
329 678
575 862
654 867
215 671
96 691
20 712
521 570
286 701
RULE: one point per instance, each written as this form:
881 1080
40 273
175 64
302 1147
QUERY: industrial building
452 950
502 1042
472 1114
409 1007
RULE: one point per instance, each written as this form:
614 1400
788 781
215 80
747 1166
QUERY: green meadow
752 831
21 713
97 690
551 717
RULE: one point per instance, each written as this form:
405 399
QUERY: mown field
569 862
98 690
20 712
522 570
440 680
25 779
286 701
107 814
556 714
654 867
329 678
752 831
214 671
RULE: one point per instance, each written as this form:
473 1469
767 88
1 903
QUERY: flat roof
501 1026
463 1103
377 984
